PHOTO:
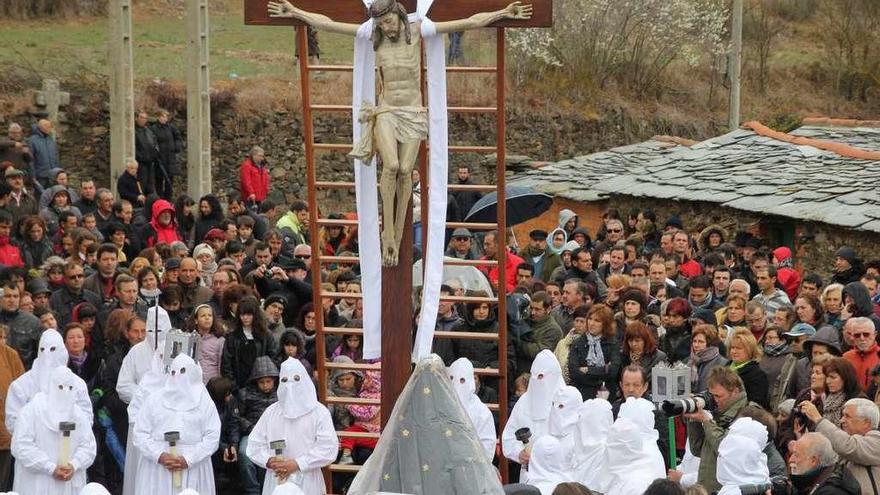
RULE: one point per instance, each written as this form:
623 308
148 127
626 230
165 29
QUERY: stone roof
819 173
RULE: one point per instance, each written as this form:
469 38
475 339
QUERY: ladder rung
343 331
471 299
342 260
469 225
353 401
470 262
357 434
332 108
466 335
343 295
486 371
457 68
342 147
473 109
344 468
341 221
334 185
352 366
331 68
471 187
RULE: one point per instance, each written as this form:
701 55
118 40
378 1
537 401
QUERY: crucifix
398 123
51 98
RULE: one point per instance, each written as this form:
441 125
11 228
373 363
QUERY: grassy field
61 48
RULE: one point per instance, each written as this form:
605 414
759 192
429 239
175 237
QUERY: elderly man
814 468
45 151
865 354
193 293
21 202
539 255
857 441
14 149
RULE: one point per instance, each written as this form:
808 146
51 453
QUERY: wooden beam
352 11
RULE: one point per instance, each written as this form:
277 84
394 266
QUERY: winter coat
755 382
210 355
466 199
864 362
703 241
10 254
590 382
10 369
847 276
45 152
780 371
146 149
254 180
544 334
862 302
704 369
170 144
230 419
62 301
825 480
26 205
512 261
88 371
251 401
647 363
676 343
155 233
129 187
108 376
482 353
786 275
861 453
36 253
235 365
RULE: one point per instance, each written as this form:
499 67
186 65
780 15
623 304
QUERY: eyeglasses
615 231
75 277
861 335
303 256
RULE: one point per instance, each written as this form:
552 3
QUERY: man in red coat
10 255
490 248
255 177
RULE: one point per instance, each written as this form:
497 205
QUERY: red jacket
254 180
167 233
864 362
787 276
10 255
509 271
690 269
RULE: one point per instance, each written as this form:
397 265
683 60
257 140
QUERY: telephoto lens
683 406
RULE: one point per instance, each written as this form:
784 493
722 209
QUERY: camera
702 400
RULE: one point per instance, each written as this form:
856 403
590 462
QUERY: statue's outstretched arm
283 8
516 10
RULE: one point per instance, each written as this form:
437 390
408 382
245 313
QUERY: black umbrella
523 203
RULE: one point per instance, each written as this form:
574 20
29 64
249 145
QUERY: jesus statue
398 122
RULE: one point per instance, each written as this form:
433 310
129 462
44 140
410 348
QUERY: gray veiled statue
429 446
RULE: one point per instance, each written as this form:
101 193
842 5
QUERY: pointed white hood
741 461
156 333
593 435
183 388
546 465
51 354
565 413
544 382
461 375
94 489
61 398
296 392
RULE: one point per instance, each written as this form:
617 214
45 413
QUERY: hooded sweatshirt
162 233
786 275
251 399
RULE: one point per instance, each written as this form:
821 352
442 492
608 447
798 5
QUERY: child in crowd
293 344
170 300
47 318
367 418
90 223
224 459
211 332
520 386
343 383
253 399
350 346
85 314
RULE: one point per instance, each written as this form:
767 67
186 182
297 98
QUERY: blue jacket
45 151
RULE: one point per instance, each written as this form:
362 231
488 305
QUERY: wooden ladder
318 259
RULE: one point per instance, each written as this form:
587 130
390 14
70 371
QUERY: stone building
812 189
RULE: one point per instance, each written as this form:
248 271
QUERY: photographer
706 431
857 441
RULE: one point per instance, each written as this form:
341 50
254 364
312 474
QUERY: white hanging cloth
363 91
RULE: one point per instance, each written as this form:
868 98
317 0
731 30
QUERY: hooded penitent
641 413
296 392
629 469
532 410
546 465
461 375
95 489
37 440
591 469
428 446
51 354
741 460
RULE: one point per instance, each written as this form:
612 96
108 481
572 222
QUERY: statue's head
389 18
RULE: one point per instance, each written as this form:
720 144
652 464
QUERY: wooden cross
52 99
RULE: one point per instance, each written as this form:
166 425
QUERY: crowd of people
785 365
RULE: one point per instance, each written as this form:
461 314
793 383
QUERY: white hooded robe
139 358
741 458
184 406
546 465
37 439
532 410
595 423
153 381
630 471
461 373
51 354
303 423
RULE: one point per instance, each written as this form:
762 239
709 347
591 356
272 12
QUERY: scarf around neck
595 357
776 350
701 357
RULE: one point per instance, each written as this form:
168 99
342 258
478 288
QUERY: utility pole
121 89
734 63
198 100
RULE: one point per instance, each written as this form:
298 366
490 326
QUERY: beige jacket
861 453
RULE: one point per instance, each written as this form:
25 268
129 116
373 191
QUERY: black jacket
63 301
127 186
235 364
482 353
297 292
676 343
829 480
146 148
755 381
466 199
108 374
88 371
170 144
590 382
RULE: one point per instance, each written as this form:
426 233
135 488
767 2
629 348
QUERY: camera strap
873 481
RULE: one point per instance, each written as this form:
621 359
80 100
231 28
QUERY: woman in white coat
37 441
305 425
461 374
181 406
